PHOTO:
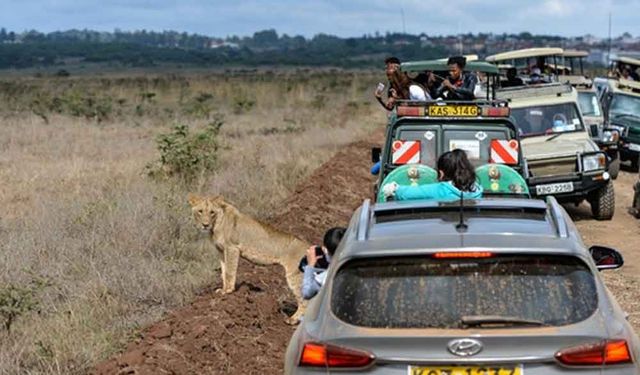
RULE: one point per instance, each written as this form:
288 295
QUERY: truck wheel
614 168
603 202
634 163
635 208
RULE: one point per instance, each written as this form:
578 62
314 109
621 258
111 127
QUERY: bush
16 300
186 155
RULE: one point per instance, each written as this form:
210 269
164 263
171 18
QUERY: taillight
463 254
496 111
606 352
316 354
402 111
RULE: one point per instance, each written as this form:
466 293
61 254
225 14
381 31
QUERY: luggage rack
545 89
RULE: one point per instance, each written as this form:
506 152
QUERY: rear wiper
496 320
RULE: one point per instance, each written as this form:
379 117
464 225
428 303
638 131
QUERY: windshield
422 292
549 119
622 104
589 105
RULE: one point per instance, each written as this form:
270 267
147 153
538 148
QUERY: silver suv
492 286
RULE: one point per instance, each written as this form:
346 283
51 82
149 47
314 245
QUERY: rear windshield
589 105
549 119
423 292
434 140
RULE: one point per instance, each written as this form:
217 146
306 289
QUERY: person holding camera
315 263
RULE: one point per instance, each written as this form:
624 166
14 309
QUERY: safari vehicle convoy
506 288
557 156
620 100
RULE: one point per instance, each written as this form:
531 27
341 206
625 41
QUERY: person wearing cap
536 76
459 85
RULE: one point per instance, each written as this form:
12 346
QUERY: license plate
453 111
466 370
634 147
565 187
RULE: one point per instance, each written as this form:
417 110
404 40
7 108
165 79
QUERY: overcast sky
338 17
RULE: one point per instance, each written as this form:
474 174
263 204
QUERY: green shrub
184 154
16 300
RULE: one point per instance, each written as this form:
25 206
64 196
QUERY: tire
635 208
614 167
603 202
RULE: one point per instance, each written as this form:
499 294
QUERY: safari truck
605 137
620 100
525 60
419 132
561 158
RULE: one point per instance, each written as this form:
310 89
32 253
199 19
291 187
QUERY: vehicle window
423 292
557 118
589 105
473 139
624 105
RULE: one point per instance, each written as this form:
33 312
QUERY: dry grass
117 248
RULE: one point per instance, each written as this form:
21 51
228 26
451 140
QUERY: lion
236 235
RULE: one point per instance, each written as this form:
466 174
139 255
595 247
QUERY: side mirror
375 154
606 258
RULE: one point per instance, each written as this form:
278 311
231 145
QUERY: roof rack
558 217
363 220
629 85
576 80
546 89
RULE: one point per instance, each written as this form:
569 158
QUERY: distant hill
147 48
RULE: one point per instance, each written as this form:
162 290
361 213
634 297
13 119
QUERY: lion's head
205 210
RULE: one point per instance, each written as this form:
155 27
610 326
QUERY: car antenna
461 226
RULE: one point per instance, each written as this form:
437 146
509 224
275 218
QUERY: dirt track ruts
244 332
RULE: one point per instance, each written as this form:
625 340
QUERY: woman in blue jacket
456 176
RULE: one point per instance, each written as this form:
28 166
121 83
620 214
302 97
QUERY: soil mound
244 332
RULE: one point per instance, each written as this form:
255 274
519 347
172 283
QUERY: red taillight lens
463 254
496 111
409 111
607 352
325 355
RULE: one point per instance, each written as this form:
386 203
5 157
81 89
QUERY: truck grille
633 134
553 167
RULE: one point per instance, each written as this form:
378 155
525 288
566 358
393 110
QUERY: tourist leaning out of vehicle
456 175
459 85
401 87
317 260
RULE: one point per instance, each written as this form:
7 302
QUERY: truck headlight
594 162
610 136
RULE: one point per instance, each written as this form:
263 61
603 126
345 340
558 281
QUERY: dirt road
244 332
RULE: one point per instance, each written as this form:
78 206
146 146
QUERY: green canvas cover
501 179
409 174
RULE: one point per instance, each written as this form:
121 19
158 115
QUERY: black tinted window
424 292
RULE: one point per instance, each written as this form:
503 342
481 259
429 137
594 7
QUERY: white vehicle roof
546 94
626 60
525 53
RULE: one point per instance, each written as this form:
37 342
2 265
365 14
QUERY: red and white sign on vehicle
504 152
405 152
